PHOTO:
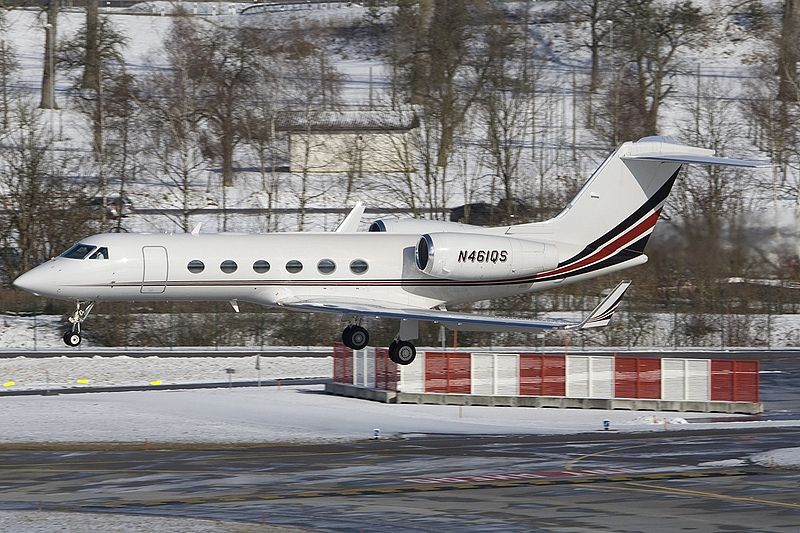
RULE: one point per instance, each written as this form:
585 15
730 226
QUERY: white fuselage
152 267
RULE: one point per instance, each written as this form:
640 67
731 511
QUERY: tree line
505 114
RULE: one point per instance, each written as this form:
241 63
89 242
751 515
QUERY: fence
553 375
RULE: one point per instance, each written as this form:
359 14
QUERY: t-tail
607 225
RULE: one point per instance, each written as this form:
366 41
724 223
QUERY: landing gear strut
356 337
402 352
73 335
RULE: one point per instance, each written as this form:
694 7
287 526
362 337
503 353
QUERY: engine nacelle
473 257
417 225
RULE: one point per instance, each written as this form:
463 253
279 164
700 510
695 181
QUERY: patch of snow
724 463
656 420
47 521
780 458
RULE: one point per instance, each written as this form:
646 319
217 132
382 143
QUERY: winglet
352 220
602 314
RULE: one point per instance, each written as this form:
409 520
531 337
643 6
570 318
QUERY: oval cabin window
358 266
261 266
195 266
294 266
326 266
228 266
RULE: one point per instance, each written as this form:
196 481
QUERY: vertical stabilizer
611 218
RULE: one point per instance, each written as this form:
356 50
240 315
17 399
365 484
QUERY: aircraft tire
393 352
72 338
347 338
405 353
359 338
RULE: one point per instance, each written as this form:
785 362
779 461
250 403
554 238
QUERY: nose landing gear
73 335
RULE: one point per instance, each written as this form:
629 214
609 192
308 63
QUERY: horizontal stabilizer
699 160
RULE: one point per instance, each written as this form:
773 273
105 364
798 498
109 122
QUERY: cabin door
155 268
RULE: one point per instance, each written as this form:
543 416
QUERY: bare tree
48 100
647 37
173 137
789 51
224 63
9 65
43 211
507 106
444 71
91 64
707 204
597 15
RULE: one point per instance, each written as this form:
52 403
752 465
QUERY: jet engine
473 257
417 225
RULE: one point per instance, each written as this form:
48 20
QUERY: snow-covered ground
59 372
294 414
49 521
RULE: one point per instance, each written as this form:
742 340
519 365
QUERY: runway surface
598 482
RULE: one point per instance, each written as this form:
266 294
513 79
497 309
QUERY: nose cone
31 281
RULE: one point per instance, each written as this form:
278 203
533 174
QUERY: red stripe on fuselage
609 248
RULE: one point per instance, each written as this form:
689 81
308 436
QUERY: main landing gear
356 337
73 335
402 352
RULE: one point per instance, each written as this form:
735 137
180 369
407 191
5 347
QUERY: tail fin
618 207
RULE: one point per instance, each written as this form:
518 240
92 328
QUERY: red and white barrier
572 376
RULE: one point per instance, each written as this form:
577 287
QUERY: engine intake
473 257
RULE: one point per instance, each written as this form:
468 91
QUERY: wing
460 321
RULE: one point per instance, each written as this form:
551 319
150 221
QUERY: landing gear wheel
355 337
72 338
404 353
359 338
346 339
393 352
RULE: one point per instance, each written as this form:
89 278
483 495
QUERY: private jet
401 268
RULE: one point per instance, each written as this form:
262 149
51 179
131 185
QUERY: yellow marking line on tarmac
571 464
677 491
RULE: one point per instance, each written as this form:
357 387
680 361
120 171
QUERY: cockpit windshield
79 251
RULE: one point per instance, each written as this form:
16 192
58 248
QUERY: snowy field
56 372
296 414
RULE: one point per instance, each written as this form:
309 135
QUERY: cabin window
358 266
101 253
261 266
228 266
326 266
79 251
294 266
195 266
